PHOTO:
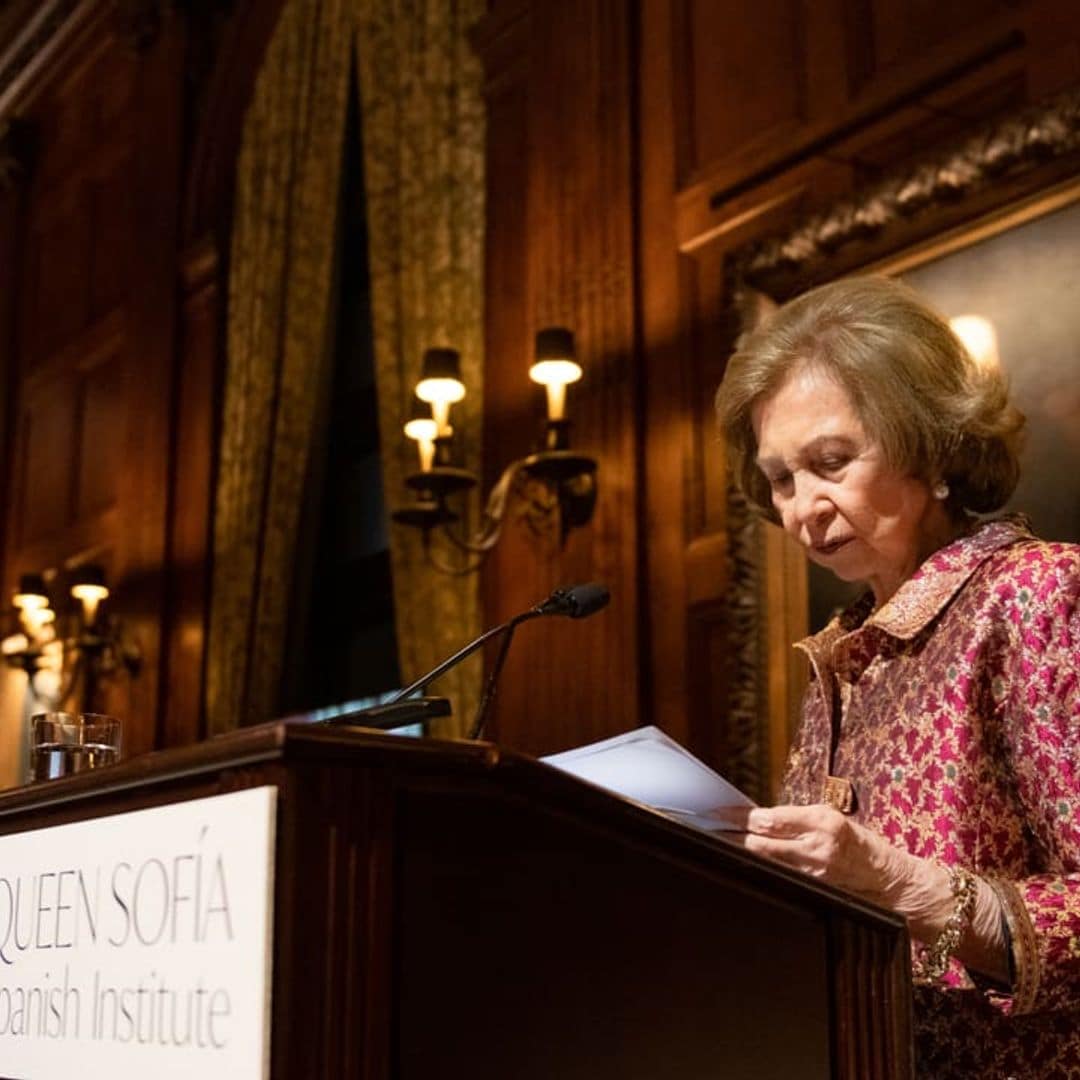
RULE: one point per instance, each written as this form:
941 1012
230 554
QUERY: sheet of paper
650 767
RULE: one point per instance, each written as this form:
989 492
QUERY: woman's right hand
832 847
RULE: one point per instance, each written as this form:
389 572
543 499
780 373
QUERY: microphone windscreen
583 600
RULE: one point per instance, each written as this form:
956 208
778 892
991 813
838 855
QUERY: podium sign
140 944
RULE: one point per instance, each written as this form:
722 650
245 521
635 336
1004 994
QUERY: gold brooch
839 793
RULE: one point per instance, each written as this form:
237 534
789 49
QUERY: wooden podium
447 909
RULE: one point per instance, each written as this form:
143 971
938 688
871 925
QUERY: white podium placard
139 945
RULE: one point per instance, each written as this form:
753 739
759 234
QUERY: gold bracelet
931 963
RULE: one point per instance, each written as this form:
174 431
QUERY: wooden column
195 399
560 251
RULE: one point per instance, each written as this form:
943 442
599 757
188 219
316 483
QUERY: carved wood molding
1002 149
995 154
746 742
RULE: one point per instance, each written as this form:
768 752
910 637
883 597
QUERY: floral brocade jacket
954 711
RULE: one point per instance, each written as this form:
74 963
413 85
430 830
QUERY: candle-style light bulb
424 429
89 589
440 385
35 619
555 367
30 595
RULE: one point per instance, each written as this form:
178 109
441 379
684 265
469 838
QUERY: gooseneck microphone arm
577 602
422 682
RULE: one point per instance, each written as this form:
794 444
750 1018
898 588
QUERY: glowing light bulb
979 338
35 619
440 385
30 595
555 376
90 595
14 644
555 367
424 430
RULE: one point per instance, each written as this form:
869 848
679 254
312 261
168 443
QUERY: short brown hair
935 412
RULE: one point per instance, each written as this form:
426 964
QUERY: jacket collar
925 594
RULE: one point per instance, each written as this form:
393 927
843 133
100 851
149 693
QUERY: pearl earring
940 491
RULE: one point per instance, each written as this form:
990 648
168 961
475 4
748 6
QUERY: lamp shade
440 377
88 584
555 367
555 361
421 424
31 594
88 574
554 343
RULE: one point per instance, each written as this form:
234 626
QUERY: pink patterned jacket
958 723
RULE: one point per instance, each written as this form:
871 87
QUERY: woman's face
834 491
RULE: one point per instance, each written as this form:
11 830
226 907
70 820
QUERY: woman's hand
827 845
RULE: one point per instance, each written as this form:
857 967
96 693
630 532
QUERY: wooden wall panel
770 69
99 431
195 398
667 433
94 283
45 451
899 40
57 279
758 86
560 252
110 198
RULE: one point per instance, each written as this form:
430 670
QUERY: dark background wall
632 147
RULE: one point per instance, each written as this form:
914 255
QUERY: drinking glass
62 744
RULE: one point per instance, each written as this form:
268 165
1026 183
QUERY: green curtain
423 135
281 269
422 132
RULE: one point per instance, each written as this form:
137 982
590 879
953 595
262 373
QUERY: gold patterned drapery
282 265
422 133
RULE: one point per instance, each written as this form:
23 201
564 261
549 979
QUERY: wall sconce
553 484
75 648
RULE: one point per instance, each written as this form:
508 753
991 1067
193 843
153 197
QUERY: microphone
576 602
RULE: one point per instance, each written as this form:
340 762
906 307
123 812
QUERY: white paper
651 768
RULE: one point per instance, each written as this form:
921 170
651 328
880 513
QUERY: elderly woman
937 767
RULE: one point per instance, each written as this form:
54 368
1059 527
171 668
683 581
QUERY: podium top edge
285 741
